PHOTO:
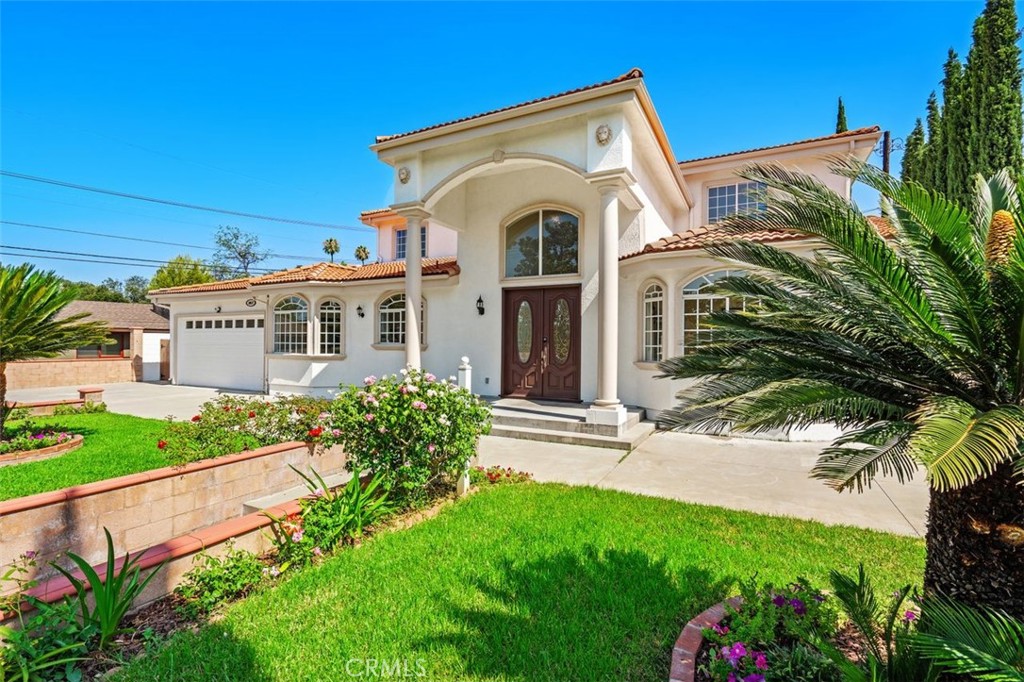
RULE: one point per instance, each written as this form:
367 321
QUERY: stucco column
608 300
413 287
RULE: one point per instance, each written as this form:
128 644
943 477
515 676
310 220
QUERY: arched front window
544 242
291 325
331 328
699 303
391 320
653 341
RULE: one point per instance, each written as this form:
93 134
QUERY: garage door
220 352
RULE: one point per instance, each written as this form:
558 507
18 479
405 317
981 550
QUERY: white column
607 409
413 290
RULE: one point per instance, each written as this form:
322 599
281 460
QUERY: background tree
933 157
910 168
237 252
362 254
181 271
911 345
87 291
331 247
135 288
955 131
841 126
29 301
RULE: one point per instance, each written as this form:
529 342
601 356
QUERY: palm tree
362 254
29 302
331 247
913 344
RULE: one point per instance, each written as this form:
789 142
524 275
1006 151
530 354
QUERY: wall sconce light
360 312
217 309
480 304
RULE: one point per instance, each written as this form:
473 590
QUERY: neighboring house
133 352
564 256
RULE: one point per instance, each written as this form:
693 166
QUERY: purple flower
30 554
779 600
754 677
297 536
720 630
431 448
819 598
909 617
734 653
760 660
799 608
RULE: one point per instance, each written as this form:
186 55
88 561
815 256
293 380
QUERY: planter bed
687 650
23 456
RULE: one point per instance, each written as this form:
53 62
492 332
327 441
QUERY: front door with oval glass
541 343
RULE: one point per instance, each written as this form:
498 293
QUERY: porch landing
554 422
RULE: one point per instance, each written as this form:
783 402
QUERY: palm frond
984 643
855 459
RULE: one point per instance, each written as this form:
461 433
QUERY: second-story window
400 242
738 198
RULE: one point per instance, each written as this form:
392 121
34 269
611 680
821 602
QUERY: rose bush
413 429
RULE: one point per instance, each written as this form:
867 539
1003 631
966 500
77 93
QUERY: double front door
541 343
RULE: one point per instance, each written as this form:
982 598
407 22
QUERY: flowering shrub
214 581
232 424
495 475
27 436
411 428
758 641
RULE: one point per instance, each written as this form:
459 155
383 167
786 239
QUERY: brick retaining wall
68 372
146 509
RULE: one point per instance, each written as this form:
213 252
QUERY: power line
77 260
131 260
139 239
179 204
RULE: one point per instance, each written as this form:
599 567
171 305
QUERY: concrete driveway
154 400
769 477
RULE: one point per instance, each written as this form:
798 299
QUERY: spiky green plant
984 644
29 303
913 344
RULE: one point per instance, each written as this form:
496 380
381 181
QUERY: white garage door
221 352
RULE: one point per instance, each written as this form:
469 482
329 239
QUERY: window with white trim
291 325
738 198
400 242
391 320
653 341
699 302
331 327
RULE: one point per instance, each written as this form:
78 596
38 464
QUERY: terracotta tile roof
882 224
324 272
118 315
823 138
374 211
632 74
706 235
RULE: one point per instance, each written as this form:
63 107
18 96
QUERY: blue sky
269 108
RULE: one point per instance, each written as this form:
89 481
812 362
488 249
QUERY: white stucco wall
151 355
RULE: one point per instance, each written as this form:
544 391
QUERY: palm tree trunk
975 543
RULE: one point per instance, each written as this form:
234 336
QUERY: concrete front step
637 434
513 419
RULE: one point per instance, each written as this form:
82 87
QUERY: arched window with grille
652 341
332 327
699 302
291 325
391 320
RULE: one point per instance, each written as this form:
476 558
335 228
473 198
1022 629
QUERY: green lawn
115 445
526 583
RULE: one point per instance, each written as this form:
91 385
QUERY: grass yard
527 583
115 445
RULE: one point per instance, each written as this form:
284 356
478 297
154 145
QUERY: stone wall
147 509
71 372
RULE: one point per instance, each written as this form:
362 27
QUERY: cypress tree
910 168
955 130
933 158
841 126
994 79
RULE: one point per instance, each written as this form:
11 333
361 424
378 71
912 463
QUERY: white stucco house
561 249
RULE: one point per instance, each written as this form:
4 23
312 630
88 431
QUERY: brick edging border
24 456
20 504
684 653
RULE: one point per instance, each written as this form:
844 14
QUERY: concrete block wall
150 508
68 372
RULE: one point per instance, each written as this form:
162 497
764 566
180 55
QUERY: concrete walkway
154 400
769 477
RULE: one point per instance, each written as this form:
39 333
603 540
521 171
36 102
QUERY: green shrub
17 413
412 429
214 581
84 408
111 596
327 518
